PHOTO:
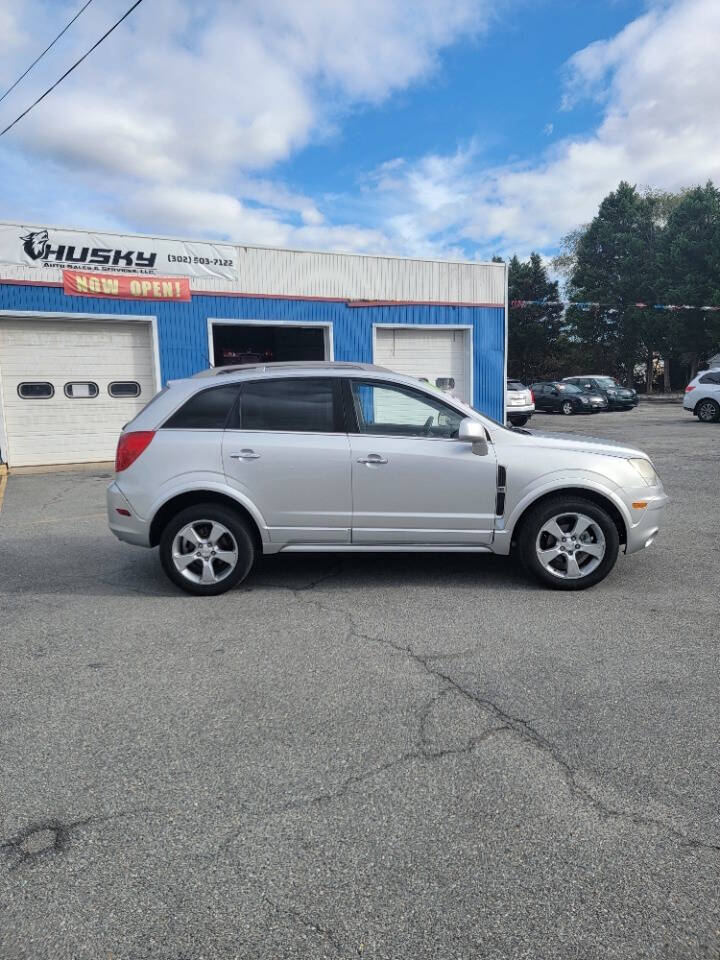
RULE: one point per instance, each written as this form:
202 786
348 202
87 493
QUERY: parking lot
377 756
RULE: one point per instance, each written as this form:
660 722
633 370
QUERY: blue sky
415 127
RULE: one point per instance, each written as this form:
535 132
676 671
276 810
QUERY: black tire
567 408
519 421
553 507
707 411
244 546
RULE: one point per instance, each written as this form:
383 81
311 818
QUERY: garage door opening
258 343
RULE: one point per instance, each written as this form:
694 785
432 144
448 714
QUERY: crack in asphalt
58 836
329 935
519 726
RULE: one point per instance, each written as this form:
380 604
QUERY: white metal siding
296 273
428 353
63 430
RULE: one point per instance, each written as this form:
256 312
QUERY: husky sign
38 246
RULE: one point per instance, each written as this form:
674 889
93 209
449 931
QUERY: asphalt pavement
373 756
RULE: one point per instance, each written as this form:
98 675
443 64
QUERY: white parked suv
519 403
702 396
338 457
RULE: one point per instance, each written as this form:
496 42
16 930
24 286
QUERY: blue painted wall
183 338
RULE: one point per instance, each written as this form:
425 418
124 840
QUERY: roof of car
304 366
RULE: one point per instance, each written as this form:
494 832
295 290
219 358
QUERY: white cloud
193 102
178 121
660 85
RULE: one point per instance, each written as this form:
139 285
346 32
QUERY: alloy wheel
570 546
707 411
204 552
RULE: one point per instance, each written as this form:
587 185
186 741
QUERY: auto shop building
93 324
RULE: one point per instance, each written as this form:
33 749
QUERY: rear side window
301 405
35 390
207 410
515 385
710 378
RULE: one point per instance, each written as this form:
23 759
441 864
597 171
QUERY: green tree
614 262
690 273
535 332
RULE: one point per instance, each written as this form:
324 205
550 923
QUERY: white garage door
90 368
426 353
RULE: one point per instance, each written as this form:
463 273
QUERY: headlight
646 471
611 393
584 400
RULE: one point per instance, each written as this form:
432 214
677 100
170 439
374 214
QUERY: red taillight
130 446
689 387
532 397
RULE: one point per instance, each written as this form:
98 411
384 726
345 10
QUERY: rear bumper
643 531
130 529
524 410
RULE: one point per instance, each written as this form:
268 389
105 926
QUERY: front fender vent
500 495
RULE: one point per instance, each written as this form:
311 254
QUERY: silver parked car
702 396
519 403
332 457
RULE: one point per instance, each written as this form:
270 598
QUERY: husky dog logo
36 244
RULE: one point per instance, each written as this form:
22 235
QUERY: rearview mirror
470 431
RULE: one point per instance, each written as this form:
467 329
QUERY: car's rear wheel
519 421
568 544
707 411
566 408
207 549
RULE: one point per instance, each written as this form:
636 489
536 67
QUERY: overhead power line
49 47
76 64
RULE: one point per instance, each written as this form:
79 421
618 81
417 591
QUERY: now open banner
120 286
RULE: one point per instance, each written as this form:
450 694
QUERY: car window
515 385
386 409
537 387
292 405
710 378
569 388
206 410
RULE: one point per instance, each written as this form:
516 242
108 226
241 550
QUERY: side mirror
470 431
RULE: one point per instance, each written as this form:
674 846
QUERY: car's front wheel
568 544
566 408
707 411
207 549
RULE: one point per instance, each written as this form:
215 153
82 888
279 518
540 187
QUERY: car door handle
373 458
245 455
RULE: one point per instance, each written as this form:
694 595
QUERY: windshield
607 381
570 387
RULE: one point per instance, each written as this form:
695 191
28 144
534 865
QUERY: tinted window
81 390
207 410
289 405
569 388
537 387
710 378
391 410
515 385
39 390
124 388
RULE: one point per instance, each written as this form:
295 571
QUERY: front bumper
622 403
131 529
646 522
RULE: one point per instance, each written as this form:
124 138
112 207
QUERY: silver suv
333 457
702 396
